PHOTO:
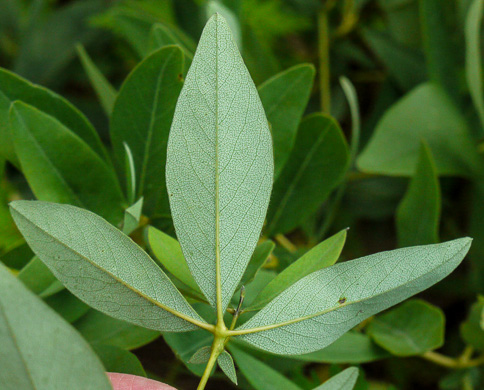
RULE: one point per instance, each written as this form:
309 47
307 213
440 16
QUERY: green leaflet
104 90
321 307
13 87
418 214
132 216
411 329
130 172
32 334
36 276
41 144
259 257
161 36
260 375
438 43
351 348
48 45
315 167
187 344
219 165
100 329
472 330
168 252
226 364
201 356
345 380
425 113
473 56
405 65
116 359
18 256
142 117
284 97
103 267
323 255
67 305
216 6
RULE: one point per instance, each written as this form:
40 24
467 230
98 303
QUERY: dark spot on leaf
342 300
180 77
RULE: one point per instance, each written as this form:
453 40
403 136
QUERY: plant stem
323 53
217 348
283 241
446 361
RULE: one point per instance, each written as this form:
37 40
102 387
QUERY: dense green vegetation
376 112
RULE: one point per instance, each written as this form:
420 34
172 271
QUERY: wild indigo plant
219 176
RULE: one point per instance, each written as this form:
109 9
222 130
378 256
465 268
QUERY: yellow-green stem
446 361
217 348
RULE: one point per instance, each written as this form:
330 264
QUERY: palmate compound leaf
39 350
321 307
219 165
103 267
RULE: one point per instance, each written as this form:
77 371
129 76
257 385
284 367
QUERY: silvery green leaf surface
142 116
201 356
345 380
32 334
226 364
102 266
14 87
216 6
321 307
132 216
284 97
79 177
219 164
422 199
104 90
321 256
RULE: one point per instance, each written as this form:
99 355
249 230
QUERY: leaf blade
345 380
221 183
93 274
315 167
321 307
321 256
413 328
141 118
29 334
52 174
423 199
284 97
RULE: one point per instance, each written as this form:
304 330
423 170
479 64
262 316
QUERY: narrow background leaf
418 214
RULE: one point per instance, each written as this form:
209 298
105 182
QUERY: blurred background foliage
415 176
